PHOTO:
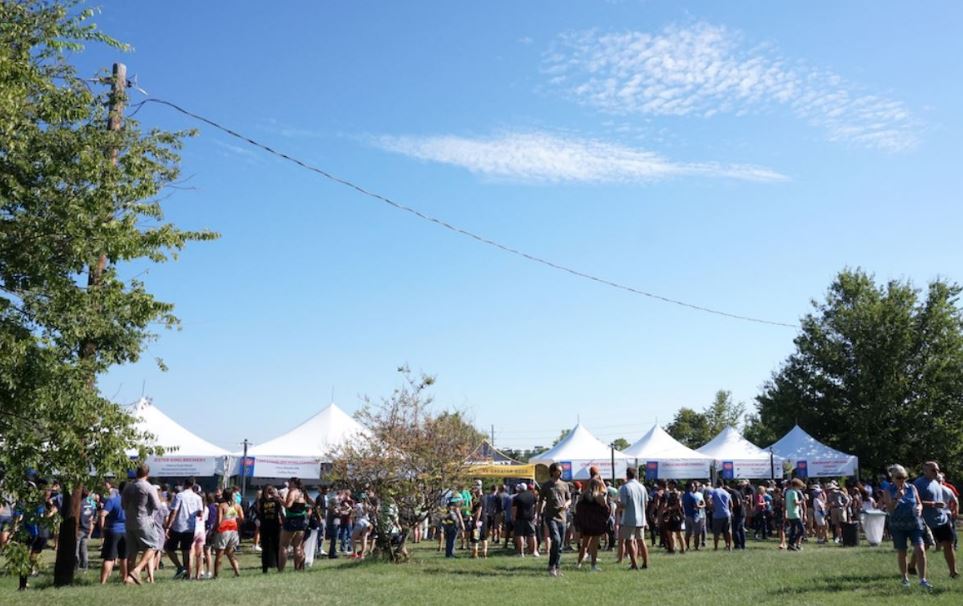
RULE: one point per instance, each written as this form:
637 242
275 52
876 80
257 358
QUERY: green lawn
822 575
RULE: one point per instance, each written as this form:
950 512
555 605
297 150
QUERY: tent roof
313 438
579 444
729 445
797 444
175 438
488 454
658 444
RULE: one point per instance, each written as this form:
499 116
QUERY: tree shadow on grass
872 584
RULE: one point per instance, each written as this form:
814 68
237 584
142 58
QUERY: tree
409 458
878 372
690 428
723 412
77 201
620 443
561 436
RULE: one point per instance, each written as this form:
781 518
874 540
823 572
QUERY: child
200 539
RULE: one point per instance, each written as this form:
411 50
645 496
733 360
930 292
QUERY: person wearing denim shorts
906 523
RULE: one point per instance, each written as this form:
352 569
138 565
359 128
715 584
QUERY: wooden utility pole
66 560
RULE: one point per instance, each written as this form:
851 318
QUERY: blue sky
731 155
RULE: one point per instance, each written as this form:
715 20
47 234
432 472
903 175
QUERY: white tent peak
729 444
579 443
170 435
797 443
315 437
658 444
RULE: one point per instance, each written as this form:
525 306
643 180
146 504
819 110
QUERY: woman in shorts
198 545
361 530
229 517
295 524
906 523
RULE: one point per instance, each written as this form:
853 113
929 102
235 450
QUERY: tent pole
243 471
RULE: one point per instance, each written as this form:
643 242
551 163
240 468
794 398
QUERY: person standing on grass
452 523
739 503
112 528
479 520
905 508
952 504
554 500
180 526
196 560
838 510
508 505
295 524
229 518
524 521
269 513
140 501
721 516
694 508
795 506
930 492
673 518
593 514
85 529
631 512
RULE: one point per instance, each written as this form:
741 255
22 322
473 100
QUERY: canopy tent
489 462
737 457
300 452
185 454
811 458
665 457
580 450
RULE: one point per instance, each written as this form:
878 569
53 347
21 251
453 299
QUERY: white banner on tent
750 469
829 468
305 468
579 469
183 466
680 469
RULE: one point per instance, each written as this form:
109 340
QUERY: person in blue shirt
112 522
721 515
935 514
906 523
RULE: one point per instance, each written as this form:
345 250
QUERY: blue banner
802 469
566 470
651 471
728 470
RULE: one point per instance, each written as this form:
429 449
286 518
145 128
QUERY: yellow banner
501 471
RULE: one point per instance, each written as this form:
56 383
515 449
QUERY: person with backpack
905 508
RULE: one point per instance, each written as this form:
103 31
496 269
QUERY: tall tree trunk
66 561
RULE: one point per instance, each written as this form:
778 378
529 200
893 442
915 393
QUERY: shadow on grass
875 584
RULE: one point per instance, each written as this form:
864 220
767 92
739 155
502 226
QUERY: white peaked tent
185 453
301 451
737 457
811 458
580 450
664 457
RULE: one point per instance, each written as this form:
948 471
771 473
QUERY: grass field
824 575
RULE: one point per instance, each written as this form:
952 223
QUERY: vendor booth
737 457
488 462
664 457
580 450
185 454
301 451
810 458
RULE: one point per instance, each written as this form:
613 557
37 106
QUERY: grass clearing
825 574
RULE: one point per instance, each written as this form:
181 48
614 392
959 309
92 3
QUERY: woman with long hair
295 524
593 514
226 541
269 513
906 523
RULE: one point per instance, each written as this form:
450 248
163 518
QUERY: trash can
873 521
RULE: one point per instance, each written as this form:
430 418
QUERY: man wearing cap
524 517
554 500
935 513
838 509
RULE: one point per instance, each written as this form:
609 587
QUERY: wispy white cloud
276 127
704 70
228 149
545 157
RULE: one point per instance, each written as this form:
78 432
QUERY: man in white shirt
180 527
632 502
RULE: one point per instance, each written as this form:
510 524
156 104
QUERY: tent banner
174 466
651 471
751 469
679 469
802 469
488 470
579 469
306 468
829 468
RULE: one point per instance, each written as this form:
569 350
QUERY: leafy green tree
561 436
620 443
77 201
723 412
878 372
690 427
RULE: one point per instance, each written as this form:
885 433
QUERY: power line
456 229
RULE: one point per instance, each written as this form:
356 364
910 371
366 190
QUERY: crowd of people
141 522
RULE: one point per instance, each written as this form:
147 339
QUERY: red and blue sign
651 471
802 469
728 470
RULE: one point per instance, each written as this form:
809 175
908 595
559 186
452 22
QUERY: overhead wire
458 230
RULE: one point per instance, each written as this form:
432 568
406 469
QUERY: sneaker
180 573
925 584
595 568
257 548
552 572
906 582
